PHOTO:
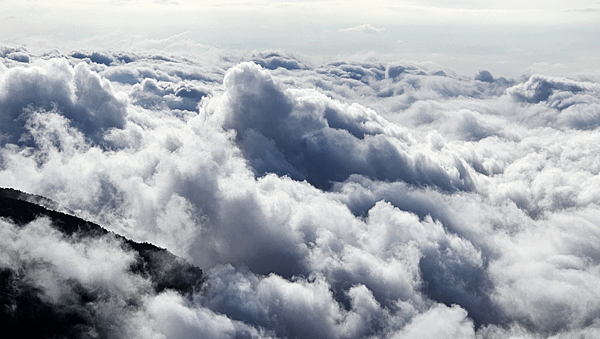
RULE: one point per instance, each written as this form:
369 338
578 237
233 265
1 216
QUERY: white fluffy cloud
345 200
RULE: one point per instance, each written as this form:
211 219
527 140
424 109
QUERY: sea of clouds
335 200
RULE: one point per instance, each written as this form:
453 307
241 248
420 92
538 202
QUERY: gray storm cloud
340 200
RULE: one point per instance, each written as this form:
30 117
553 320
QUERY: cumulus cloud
343 199
82 96
151 93
364 28
276 60
308 136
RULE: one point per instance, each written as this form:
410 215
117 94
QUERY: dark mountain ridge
25 313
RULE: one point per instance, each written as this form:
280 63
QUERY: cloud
364 28
485 76
561 102
309 136
177 42
540 88
276 60
88 101
18 56
95 57
449 323
339 199
151 93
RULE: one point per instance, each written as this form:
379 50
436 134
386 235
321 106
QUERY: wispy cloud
364 28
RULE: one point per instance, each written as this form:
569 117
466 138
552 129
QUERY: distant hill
22 310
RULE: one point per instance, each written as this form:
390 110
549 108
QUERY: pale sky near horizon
509 38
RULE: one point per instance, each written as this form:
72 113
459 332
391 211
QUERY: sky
509 38
330 167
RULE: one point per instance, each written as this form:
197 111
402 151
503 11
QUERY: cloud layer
341 200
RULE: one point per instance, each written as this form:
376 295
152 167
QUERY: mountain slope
45 297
